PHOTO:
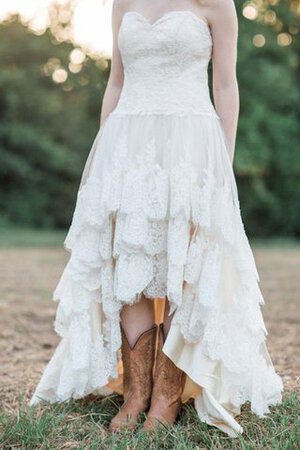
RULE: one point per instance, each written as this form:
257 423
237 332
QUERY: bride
160 300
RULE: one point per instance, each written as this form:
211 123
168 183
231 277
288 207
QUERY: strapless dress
158 214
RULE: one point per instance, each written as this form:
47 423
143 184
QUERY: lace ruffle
160 223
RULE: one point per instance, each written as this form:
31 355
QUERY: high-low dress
158 214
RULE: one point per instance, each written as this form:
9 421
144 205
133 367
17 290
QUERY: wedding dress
158 213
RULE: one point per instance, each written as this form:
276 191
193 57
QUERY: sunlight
26 8
92 25
91 20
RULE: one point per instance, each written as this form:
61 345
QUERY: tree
267 162
50 106
46 127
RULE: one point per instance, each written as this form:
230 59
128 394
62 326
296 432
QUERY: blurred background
54 64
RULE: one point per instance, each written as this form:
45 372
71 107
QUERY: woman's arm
116 76
224 27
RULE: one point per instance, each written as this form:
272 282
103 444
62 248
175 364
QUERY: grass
12 236
276 242
30 237
82 425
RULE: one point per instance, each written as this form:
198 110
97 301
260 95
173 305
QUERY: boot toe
152 424
121 423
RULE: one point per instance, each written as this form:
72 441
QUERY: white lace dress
158 213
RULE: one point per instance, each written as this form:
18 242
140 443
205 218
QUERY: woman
157 217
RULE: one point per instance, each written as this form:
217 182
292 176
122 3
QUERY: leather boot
168 386
137 379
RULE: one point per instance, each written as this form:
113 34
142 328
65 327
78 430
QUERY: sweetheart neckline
163 16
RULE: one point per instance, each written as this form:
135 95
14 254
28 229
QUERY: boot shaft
138 364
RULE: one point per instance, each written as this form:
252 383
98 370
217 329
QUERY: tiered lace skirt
158 213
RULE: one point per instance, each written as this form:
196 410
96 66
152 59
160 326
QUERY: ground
27 338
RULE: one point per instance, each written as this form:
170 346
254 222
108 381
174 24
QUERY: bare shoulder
225 8
120 6
217 9
221 15
220 5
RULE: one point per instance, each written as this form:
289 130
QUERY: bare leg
137 318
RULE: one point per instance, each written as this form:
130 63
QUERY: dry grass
27 341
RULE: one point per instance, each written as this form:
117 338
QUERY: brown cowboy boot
169 383
137 379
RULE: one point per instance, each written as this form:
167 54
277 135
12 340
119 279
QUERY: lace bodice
165 64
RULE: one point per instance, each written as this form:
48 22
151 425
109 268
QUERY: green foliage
267 160
47 128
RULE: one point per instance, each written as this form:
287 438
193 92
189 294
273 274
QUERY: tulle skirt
158 214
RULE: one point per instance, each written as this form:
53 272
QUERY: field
31 265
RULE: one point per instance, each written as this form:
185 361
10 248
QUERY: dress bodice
165 64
